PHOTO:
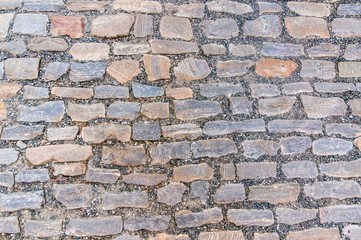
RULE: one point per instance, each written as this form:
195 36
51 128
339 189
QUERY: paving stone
271 49
340 213
164 152
352 231
84 6
102 175
187 219
182 131
176 28
355 107
329 189
324 50
295 145
143 25
275 106
70 169
95 226
138 6
171 194
349 9
306 27
331 146
65 133
192 172
267 26
125 49
317 107
56 70
32 93
172 47
351 31
222 28
135 199
220 89
233 68
85 112
58 153
349 69
22 68
352 52
218 235
242 50
6 179
257 148
81 72
10 4
266 236
213 148
291 216
191 10
8 156
342 169
145 179
199 192
334 87
109 91
347 130
38 5
222 127
240 105
3 111
48 112
124 156
250 217
146 91
130 237
301 126
229 7
9 224
213 49
21 132
296 88
230 193
179 93
43 228
157 67
5 20
259 170
15 201
71 26
105 131
296 169
124 110
2 70
310 9
146 131
33 175
193 109
320 233
90 51
31 24
274 194
270 68
264 90
73 196
318 69
227 171
191 69
112 26
151 223
268 7
38 44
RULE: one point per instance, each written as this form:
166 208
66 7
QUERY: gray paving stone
102 175
342 169
109 91
145 179
41 6
10 4
266 236
124 110
21 132
124 156
172 47
230 193
233 68
85 112
9 224
143 25
146 131
51 44
56 70
331 146
222 127
222 28
334 87
125 49
317 107
73 196
332 189
22 68
65 133
193 109
213 148
259 170
220 89
70 169
171 194
146 91
310 9
151 223
32 175
33 93
291 216
31 24
218 235
6 179
135 199
5 20
351 31
296 88
193 172
81 72
186 218
48 112
214 49
340 213
264 26
182 131
324 50
164 152
227 171
275 194
242 50
1 70
191 10
43 228
257 148
199 192
301 126
175 28
275 106
295 145
269 7
94 226
347 130
250 217
240 105
8 156
15 201
318 69
326 233
352 231
296 169
349 9
352 52
271 49
264 90
138 6
229 7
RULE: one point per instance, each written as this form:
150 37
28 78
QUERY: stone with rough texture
219 89
102 175
296 169
90 5
105 131
242 50
219 235
250 217
157 67
310 9
124 156
135 199
257 148
186 218
306 27
331 146
340 213
264 90
5 20
324 50
39 5
329 189
33 93
146 91
240 105
191 69
81 72
222 127
233 68
193 109
112 26
347 130
271 49
249 170
9 224
171 194
296 88
193 172
94 226
275 194
315 233
179 93
291 216
65 133
222 28
15 201
22 68
176 28
33 175
124 110
231 7
6 179
317 107
172 47
352 231
199 193
85 112
21 132
269 7
31 24
213 49
275 106
126 49
301 126
270 68
146 131
266 26
48 112
164 152
143 25
10 4
181 131
70 169
266 236
145 179
151 223
43 228
71 26
73 196
191 10
342 169
8 156
352 52
230 193
48 44
124 70
90 51
56 70
294 145
318 69
352 30
334 87
213 148
138 6
110 91
349 69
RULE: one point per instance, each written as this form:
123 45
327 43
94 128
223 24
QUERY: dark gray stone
318 69
187 219
349 9
257 148
145 179
199 193
324 50
256 170
301 126
47 112
347 130
102 175
271 49
146 91
124 156
146 131
333 189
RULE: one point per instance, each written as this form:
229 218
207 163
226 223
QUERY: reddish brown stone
67 25
275 68
124 70
179 93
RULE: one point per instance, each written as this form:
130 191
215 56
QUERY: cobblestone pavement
175 120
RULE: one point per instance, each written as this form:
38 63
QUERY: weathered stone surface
58 153
349 69
347 130
124 156
355 107
21 132
275 194
11 202
270 68
69 169
218 235
176 28
275 106
157 67
125 49
250 217
352 30
85 112
249 170
315 233
318 69
110 91
73 195
352 52
171 194
264 90
105 131
32 175
213 49
271 49
267 26
296 169
185 218
65 133
291 216
22 68
90 51
294 145
179 93
102 175
233 68
192 69
220 89
124 110
81 72
71 26
240 105
47 112
164 152
296 88
242 50
135 199
9 224
193 109
349 9
310 9
222 28
306 27
257 148
6 179
182 131
331 146
56 70
199 193
301 126
151 223
191 10
146 131
146 91
229 7
329 189
192 172
145 179
269 7
124 70
31 24
213 148
38 5
84 6
38 44
342 169
10 4
43 229
334 87
32 93
266 236
5 20
8 156
340 213
352 231
132 237
95 226
138 6
230 193
222 127
143 25
172 47
324 50
317 107
112 26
